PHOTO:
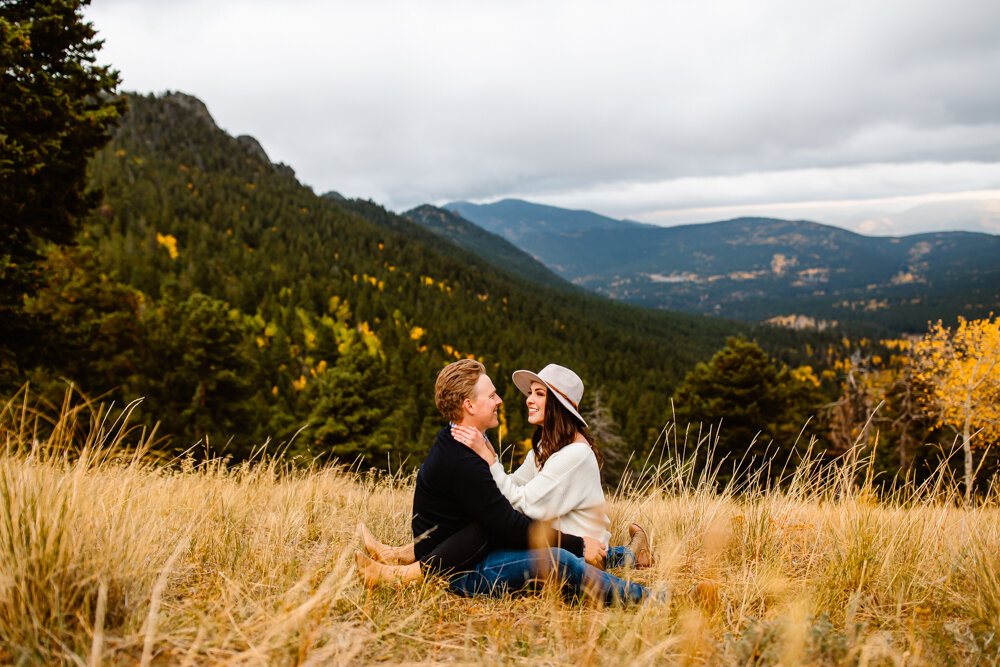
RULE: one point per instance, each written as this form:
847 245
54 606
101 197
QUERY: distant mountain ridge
489 246
515 219
759 268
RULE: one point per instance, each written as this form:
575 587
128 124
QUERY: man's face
482 406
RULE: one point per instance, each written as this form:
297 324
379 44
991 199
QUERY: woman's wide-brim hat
562 383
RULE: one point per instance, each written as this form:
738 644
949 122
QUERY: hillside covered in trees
244 309
489 246
241 305
789 272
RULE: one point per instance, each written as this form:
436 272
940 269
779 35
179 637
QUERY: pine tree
56 110
197 370
353 409
762 408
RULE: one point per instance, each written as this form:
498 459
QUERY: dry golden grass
109 556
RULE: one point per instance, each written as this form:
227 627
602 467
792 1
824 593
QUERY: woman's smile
536 403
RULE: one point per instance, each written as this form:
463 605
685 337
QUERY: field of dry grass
109 556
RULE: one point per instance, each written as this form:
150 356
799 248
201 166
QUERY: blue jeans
622 556
508 571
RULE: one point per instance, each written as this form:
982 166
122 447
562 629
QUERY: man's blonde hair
455 383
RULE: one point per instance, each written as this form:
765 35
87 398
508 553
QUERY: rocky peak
253 147
191 104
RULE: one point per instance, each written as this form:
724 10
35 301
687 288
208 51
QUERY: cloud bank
642 110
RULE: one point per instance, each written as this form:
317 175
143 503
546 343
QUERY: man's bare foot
371 545
373 573
640 546
383 553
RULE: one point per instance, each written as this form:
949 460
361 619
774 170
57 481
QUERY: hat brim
523 379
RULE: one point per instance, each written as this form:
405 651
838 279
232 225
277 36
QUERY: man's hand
594 552
474 440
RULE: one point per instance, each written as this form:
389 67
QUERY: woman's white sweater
567 491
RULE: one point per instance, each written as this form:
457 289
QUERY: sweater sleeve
478 493
524 473
561 486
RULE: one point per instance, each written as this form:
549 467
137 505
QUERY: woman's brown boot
640 546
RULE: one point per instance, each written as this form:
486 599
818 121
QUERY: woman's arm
570 480
526 471
475 441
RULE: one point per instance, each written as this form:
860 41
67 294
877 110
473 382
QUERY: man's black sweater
454 488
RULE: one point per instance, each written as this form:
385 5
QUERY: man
455 490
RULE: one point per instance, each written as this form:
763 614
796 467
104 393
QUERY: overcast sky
879 115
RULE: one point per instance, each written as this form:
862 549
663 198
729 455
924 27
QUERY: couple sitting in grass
489 532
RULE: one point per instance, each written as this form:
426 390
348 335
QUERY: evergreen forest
244 308
248 313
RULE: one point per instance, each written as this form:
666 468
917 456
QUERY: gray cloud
575 101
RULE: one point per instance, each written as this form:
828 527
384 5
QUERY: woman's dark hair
558 430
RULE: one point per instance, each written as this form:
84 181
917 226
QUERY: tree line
245 309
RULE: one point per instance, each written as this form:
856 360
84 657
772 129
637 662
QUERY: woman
559 480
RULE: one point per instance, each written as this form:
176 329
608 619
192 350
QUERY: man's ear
468 406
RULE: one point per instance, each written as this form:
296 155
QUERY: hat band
571 401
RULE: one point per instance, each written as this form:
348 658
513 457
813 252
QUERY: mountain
489 246
518 221
240 303
760 269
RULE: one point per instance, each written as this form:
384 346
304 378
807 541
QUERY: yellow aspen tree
960 373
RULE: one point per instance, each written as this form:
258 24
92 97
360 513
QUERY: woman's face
536 403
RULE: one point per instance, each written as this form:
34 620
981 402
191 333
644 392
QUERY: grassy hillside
239 303
108 557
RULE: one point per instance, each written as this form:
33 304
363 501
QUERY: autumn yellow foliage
169 242
959 371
